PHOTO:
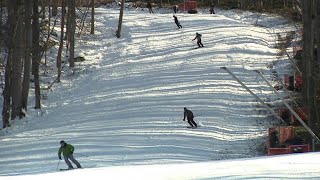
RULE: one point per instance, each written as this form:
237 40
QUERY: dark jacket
188 114
176 19
198 37
66 150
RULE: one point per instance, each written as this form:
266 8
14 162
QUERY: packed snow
122 108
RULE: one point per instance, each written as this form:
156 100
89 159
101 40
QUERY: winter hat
62 142
185 108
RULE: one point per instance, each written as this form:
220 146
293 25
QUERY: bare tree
36 53
54 8
72 28
63 9
6 111
27 59
118 34
92 16
309 88
318 30
16 78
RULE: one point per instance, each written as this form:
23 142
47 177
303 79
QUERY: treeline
27 27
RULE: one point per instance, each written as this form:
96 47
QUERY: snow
122 108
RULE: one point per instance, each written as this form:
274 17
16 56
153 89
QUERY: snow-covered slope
123 106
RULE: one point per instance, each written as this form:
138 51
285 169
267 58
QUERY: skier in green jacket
67 151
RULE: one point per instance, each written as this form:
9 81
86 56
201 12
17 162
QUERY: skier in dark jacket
175 8
212 8
189 115
177 21
149 6
67 151
198 37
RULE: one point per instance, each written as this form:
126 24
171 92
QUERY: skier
177 21
175 8
198 37
189 115
149 6
212 8
67 151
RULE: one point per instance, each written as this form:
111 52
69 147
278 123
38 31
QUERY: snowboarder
149 6
177 21
189 115
212 8
198 37
67 151
175 8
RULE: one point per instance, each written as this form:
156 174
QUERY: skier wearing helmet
67 151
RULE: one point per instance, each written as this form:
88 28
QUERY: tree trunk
92 16
317 61
118 34
308 63
72 8
36 53
61 39
27 60
6 111
54 8
1 12
318 31
17 66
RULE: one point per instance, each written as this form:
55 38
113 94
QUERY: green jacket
66 150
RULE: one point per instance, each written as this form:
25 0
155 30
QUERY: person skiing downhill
177 21
175 8
67 151
149 6
198 37
189 115
212 8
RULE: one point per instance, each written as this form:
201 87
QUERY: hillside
124 104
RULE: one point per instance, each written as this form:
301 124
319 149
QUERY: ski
65 169
192 127
197 47
62 169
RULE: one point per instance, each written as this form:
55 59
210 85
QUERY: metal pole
264 104
290 108
81 154
292 62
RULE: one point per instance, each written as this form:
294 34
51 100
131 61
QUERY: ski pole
58 164
81 154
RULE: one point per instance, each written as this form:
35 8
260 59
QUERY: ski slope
122 108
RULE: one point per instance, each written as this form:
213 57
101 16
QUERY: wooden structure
288 142
188 5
